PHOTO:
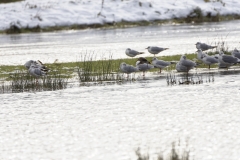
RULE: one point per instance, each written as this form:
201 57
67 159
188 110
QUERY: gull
28 64
143 66
36 68
143 60
204 46
155 50
160 63
227 60
184 62
37 63
236 53
206 59
37 71
132 53
128 69
181 68
220 64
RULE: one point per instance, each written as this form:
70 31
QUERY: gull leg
36 81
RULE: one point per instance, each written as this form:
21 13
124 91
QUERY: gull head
154 58
184 57
138 62
220 52
199 51
123 64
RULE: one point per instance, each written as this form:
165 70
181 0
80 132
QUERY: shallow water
68 46
112 121
108 122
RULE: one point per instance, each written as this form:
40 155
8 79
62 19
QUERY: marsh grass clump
171 79
90 70
187 78
174 154
5 87
23 82
190 79
55 81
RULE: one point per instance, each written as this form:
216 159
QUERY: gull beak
166 48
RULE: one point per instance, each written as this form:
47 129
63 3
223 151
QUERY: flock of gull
184 64
37 69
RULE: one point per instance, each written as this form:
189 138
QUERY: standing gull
204 46
181 68
206 59
155 50
160 63
142 66
227 60
132 53
236 53
128 69
186 64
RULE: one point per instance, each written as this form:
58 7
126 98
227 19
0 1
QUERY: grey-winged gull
236 53
181 68
36 68
128 69
28 63
37 63
141 66
160 63
204 46
132 53
185 63
206 59
155 50
227 60
37 71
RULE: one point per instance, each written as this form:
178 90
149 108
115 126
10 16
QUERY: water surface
70 46
108 122
112 121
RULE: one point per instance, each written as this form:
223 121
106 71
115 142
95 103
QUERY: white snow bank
47 13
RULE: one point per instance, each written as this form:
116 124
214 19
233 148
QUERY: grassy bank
90 71
89 65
